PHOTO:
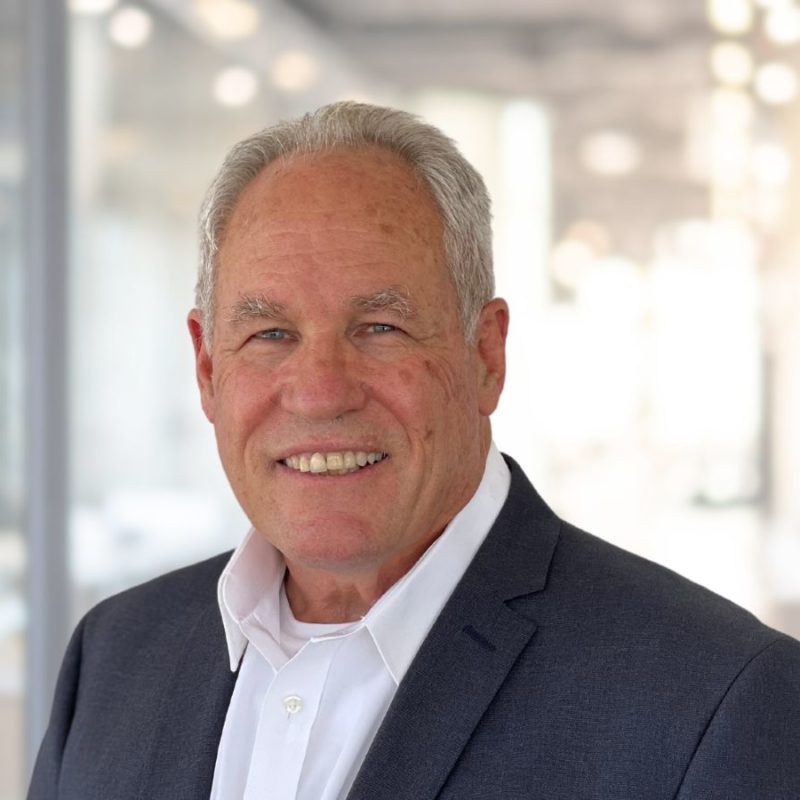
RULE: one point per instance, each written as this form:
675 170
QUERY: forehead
342 211
352 188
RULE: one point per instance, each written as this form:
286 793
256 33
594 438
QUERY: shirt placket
288 712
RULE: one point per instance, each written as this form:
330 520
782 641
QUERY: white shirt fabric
310 697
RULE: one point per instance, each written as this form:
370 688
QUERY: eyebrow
258 306
393 299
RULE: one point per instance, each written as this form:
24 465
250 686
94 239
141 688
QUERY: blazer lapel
184 748
465 658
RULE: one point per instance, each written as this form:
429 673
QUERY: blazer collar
466 657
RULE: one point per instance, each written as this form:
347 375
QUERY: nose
323 381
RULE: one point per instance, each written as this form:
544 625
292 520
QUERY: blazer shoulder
634 593
173 595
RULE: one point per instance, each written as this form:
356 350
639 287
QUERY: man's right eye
272 333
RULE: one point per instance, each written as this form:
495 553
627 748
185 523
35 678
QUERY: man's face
336 333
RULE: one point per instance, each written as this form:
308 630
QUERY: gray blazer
561 668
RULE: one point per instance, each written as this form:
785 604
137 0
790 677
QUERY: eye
380 327
271 334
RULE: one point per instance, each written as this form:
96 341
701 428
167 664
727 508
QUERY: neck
317 595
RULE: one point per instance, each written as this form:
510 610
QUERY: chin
331 546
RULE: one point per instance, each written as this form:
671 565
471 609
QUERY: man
407 618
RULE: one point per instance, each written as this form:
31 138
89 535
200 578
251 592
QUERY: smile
336 463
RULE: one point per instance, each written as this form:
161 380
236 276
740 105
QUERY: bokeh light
130 27
730 16
235 86
91 6
731 63
610 152
776 83
294 71
229 19
782 24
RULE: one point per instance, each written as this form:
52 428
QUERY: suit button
293 704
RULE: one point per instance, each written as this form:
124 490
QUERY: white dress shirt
309 697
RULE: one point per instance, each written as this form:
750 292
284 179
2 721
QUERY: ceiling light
130 27
731 108
235 86
610 153
294 71
729 161
776 83
731 63
91 6
771 164
730 16
782 24
229 19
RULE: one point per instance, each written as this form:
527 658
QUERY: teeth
335 463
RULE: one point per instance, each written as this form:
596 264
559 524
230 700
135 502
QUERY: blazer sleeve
44 783
751 747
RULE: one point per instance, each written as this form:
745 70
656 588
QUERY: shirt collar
251 579
402 618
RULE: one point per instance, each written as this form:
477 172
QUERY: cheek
425 396
454 383
243 400
444 376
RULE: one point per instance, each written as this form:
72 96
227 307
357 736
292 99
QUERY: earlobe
491 344
203 363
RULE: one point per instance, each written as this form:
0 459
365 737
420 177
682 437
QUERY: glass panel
12 562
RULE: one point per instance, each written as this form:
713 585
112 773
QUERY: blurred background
643 160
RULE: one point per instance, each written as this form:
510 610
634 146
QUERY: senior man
406 618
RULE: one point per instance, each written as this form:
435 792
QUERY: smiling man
350 410
406 618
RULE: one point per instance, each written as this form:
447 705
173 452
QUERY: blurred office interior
643 159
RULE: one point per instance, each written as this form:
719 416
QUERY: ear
490 342
202 363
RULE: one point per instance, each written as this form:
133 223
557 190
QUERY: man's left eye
381 327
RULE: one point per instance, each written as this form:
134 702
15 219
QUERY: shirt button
293 703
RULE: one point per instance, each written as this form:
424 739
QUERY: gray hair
455 185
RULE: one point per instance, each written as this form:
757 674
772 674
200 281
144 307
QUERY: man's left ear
490 342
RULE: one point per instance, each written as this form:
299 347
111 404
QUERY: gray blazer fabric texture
561 668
